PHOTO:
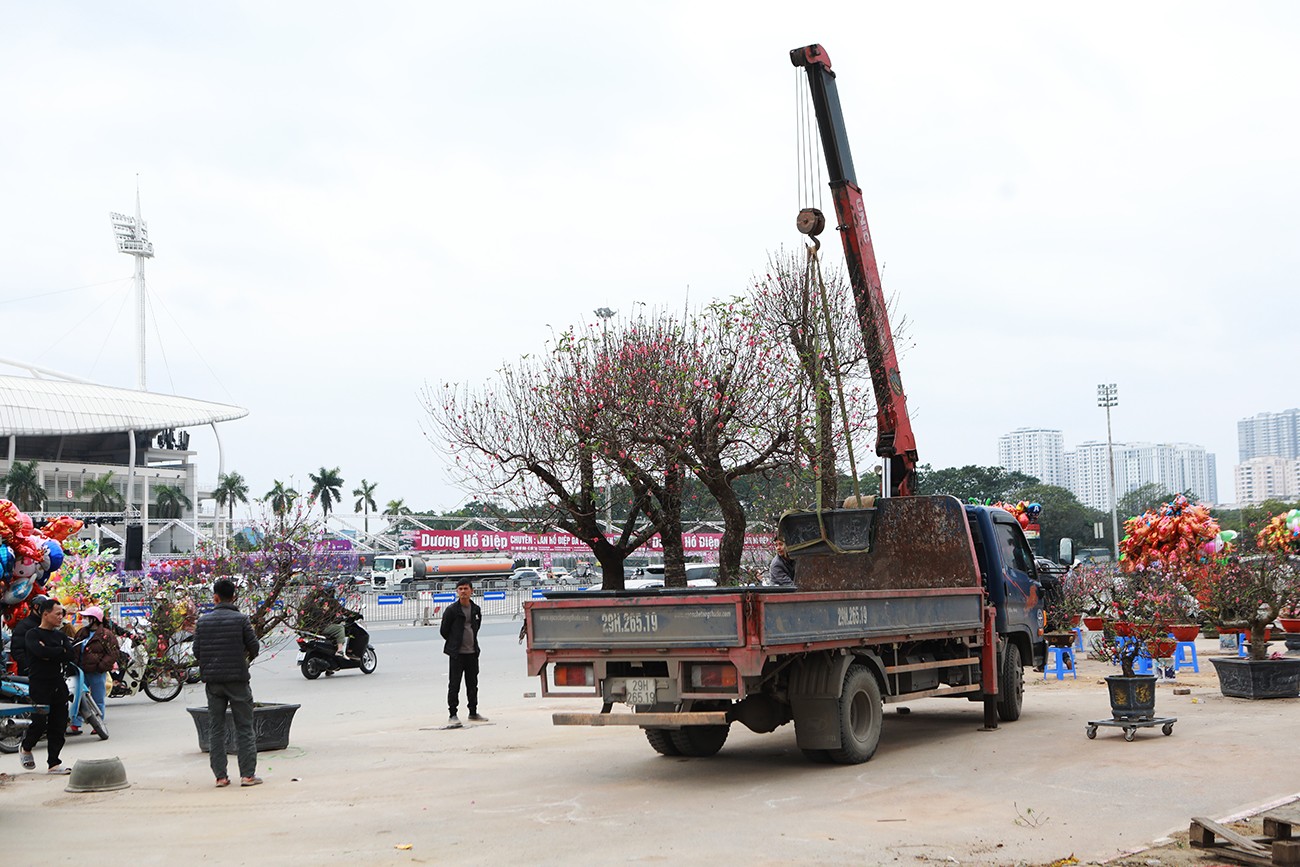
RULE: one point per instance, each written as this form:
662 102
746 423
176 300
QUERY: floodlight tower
1108 397
133 239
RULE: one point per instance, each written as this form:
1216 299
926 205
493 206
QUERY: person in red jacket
98 657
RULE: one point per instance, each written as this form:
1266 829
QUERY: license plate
301 656
639 690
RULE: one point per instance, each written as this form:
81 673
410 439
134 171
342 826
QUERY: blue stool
1060 662
1185 656
1078 639
1142 665
1243 645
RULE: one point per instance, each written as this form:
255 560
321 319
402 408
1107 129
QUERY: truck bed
750 622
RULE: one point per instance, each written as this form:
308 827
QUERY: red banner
560 542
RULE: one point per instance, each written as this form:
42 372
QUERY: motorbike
14 689
316 653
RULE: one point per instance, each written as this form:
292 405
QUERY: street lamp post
1108 396
605 315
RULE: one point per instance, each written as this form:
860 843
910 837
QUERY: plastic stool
1142 665
1078 639
1185 656
1060 662
1243 645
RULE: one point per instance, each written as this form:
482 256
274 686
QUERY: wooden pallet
1275 848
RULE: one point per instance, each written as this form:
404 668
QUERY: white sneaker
453 722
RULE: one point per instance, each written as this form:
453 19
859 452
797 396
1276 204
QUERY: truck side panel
870 616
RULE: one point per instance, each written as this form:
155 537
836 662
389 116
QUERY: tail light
574 674
721 677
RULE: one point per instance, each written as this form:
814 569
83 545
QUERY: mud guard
814 691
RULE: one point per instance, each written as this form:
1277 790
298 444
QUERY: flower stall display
29 557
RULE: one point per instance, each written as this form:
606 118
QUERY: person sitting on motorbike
322 612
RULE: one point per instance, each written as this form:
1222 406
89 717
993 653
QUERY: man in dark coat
224 644
461 622
48 648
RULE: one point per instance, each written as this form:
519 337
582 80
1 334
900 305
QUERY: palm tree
365 495
104 495
170 501
231 488
281 499
397 507
23 486
325 487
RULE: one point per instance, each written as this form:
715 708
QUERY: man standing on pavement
48 648
224 644
460 625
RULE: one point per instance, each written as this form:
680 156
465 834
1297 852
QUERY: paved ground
369 772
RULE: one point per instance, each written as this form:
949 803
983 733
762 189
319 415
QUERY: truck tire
860 716
662 742
1011 685
699 741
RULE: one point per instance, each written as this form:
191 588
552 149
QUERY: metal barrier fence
408 606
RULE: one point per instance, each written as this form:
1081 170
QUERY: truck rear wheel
860 715
662 742
699 741
1011 685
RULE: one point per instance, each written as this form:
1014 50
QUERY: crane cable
814 269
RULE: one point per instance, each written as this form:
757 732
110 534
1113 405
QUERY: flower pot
1094 624
1185 631
1123 628
1132 697
1161 648
1232 628
1258 678
270 726
1290 625
1075 619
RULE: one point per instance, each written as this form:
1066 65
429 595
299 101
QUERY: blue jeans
96 681
238 696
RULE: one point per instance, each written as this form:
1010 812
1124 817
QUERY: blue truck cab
1006 564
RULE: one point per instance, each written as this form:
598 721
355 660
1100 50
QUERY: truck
410 571
897 597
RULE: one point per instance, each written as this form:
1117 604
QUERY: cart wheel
1092 732
1167 729
1129 733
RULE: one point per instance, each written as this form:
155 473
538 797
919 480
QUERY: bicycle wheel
163 681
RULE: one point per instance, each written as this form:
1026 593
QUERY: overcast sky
348 201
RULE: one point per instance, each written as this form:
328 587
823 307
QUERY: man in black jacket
460 625
48 648
224 644
18 640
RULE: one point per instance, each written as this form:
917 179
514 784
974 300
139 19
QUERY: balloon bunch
28 557
1176 533
1025 513
1281 533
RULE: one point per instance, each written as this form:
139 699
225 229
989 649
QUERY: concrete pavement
369 771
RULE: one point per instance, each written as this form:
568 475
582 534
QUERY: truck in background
410 571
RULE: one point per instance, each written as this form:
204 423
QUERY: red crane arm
895 442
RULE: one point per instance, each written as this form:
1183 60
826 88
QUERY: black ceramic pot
1132 697
270 726
1258 678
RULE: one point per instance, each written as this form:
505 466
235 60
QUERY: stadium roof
49 407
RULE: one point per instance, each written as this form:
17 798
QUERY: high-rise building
1036 452
1175 467
1260 479
1269 435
